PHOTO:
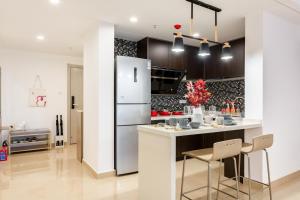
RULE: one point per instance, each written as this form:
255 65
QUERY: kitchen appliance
133 108
165 81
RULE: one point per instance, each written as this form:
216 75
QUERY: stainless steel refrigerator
133 108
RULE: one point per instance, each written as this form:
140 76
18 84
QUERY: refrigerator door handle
135 75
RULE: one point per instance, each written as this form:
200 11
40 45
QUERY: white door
76 102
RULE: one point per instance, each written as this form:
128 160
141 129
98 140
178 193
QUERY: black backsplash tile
221 90
125 48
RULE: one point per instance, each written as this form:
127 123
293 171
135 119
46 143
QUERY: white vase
198 115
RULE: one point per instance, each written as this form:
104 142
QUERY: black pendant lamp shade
178 45
204 48
226 52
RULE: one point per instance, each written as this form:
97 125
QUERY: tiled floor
58 175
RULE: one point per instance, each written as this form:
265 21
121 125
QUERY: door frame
70 66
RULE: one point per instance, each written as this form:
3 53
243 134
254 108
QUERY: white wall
272 89
19 69
99 98
254 65
281 47
254 84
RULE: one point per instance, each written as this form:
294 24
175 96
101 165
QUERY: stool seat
201 154
220 151
259 143
247 148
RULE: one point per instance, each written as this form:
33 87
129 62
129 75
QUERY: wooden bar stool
260 143
220 151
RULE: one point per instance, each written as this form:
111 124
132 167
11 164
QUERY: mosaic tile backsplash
221 90
125 48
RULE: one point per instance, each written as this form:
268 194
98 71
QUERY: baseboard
286 179
98 175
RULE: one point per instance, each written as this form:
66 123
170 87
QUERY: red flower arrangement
197 93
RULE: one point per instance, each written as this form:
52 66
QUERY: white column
254 85
281 93
99 98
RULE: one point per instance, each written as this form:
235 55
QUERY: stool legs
249 176
237 178
219 178
269 177
182 178
209 182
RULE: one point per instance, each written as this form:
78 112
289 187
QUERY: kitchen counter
157 155
171 116
244 124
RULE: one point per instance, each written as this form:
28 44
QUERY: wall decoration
37 95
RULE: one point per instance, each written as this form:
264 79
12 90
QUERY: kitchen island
157 154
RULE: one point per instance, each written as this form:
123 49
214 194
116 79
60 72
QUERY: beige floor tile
49 175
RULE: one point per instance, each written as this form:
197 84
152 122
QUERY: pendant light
178 45
226 52
192 19
216 27
204 48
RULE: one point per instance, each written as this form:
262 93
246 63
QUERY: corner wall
281 47
98 150
272 90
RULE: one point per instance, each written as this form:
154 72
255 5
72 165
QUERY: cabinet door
158 53
177 59
195 67
236 66
213 67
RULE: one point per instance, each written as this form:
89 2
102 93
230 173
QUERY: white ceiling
64 25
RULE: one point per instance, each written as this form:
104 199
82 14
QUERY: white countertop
171 116
245 124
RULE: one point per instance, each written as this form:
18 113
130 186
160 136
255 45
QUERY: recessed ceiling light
133 19
55 2
196 35
40 37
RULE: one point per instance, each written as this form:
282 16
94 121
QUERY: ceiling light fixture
178 45
192 19
40 37
216 27
226 52
204 50
55 2
204 44
133 19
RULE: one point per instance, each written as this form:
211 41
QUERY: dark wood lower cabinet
202 141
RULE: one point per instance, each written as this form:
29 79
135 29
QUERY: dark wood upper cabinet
212 66
236 66
195 65
215 68
177 59
161 55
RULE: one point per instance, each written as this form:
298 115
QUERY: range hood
165 81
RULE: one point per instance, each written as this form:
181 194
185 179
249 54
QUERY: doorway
75 104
